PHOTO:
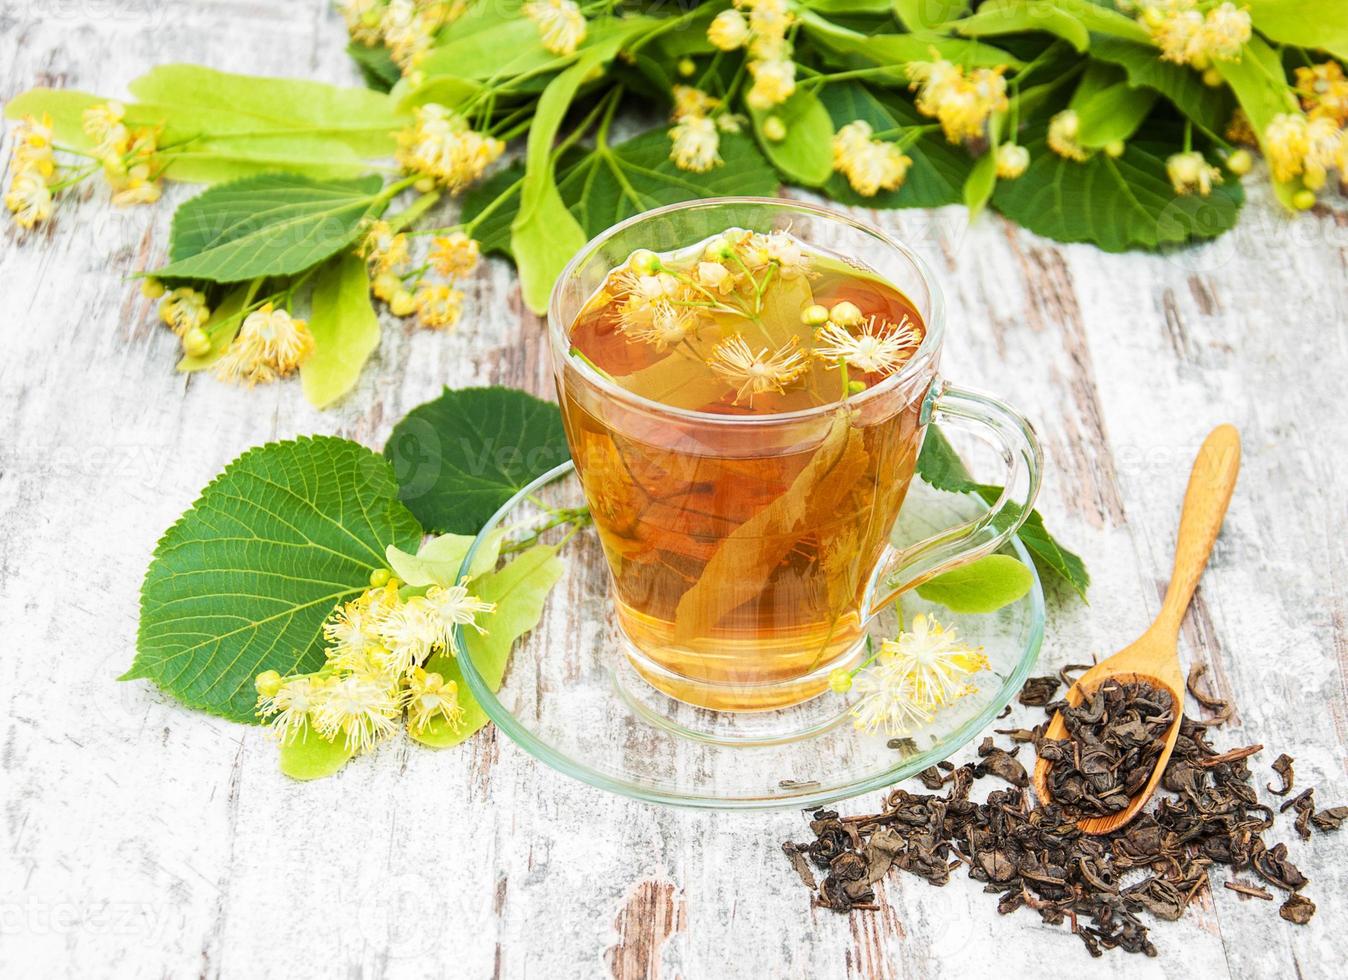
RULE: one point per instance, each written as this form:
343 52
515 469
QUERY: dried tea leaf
1298 909
1282 765
1039 691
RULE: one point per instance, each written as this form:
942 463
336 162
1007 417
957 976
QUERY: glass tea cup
748 553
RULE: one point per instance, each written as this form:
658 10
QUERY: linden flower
455 255
1012 161
716 277
644 296
271 344
361 708
1063 130
352 631
696 144
383 249
961 102
728 30
289 705
874 351
33 145
937 662
438 305
29 198
664 326
408 632
103 125
1190 172
869 165
1226 29
1324 91
184 309
769 20
756 373
453 606
1286 143
430 696
362 20
408 30
1323 139
792 261
440 144
691 101
560 24
774 83
888 700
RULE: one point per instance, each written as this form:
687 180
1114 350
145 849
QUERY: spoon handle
1210 486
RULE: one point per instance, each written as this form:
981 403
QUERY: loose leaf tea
1035 857
1115 738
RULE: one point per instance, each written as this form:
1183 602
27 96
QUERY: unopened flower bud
379 577
774 129
267 683
845 314
1212 78
856 387
1240 162
644 262
151 288
196 343
840 681
1303 200
1114 148
687 66
402 303
814 315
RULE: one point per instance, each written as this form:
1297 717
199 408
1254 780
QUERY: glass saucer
570 696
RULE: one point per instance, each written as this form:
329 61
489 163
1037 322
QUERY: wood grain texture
140 839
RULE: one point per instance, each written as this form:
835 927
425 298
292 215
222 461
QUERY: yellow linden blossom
938 663
360 708
352 630
362 20
728 30
876 350
888 700
430 696
438 305
408 28
1324 91
774 83
962 101
691 101
441 145
271 344
1324 139
28 198
757 372
665 326
785 252
453 606
455 255
289 702
869 165
183 309
407 633
1286 142
696 144
1012 161
1191 172
1187 36
33 145
383 249
1063 130
560 23
769 20
103 124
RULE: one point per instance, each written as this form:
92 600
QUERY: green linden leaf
1303 23
602 187
1257 81
941 467
439 560
982 586
1116 204
857 49
458 458
310 756
345 328
376 65
1208 106
805 156
994 19
270 225
244 579
939 170
1108 107
520 590
919 15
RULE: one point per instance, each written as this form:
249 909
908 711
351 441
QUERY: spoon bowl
1153 658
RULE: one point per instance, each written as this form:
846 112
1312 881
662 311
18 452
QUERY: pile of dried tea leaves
1034 857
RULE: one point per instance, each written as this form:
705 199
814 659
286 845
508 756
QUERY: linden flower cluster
961 100
377 646
763 33
561 25
407 27
1188 36
127 157
1324 92
911 678
870 165
1307 147
404 287
696 133
442 146
270 344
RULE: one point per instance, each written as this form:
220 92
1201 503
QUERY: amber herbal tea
741 552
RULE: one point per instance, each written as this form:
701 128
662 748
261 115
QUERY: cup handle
901 569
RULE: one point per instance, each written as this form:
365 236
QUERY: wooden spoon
1154 657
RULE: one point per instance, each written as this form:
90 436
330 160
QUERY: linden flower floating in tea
911 678
378 645
718 325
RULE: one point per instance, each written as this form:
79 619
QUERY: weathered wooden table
142 839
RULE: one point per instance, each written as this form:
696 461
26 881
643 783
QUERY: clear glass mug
748 553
